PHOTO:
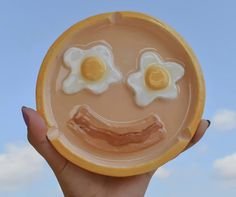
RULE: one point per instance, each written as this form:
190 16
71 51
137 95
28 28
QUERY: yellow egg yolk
93 68
156 78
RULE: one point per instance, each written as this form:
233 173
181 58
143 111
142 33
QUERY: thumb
37 132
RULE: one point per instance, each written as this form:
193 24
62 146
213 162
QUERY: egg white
75 82
144 95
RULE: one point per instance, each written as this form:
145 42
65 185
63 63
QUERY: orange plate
129 165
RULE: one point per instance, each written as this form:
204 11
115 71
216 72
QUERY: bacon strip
116 134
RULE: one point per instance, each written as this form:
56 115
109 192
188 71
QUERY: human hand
77 182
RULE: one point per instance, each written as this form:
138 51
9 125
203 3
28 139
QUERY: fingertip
204 125
209 123
36 126
25 115
201 130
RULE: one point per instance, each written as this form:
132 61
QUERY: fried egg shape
91 69
155 78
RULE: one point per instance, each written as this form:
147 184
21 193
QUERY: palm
75 181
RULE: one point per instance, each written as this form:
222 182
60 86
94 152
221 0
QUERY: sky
28 28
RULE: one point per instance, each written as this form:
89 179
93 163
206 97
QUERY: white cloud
162 173
225 120
19 166
225 168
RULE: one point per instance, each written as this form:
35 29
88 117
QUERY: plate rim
138 169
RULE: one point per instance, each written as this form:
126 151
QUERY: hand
77 182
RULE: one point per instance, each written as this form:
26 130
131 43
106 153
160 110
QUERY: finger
204 124
37 132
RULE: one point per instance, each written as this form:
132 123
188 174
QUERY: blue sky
28 28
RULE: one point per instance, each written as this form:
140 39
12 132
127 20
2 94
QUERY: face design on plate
94 70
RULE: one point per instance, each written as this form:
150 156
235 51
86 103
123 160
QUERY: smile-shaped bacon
115 133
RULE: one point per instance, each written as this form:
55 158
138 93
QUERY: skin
77 182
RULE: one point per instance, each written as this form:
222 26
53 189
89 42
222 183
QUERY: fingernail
209 123
25 115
